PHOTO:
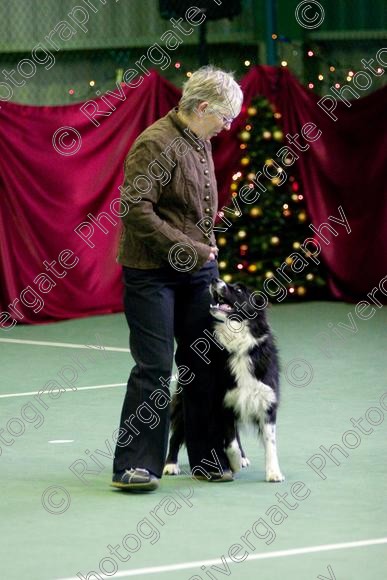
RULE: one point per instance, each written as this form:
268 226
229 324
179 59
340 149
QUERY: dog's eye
239 290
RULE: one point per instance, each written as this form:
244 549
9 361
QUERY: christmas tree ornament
310 276
241 234
296 245
266 135
245 136
274 240
252 268
301 290
227 278
302 216
278 135
234 186
245 161
251 111
269 274
289 261
294 197
256 211
222 241
222 264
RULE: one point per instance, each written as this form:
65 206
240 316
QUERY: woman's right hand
213 254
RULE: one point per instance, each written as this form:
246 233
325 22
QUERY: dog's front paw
274 476
245 462
171 469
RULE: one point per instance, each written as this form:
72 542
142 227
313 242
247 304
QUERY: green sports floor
332 524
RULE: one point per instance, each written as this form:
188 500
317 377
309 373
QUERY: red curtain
49 272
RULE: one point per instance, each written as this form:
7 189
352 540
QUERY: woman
168 253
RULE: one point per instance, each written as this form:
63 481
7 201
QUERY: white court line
278 554
62 345
67 391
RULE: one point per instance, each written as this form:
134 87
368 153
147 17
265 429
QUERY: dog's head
234 299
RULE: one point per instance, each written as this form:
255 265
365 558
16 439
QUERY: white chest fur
251 398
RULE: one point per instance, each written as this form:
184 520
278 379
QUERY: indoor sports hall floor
54 526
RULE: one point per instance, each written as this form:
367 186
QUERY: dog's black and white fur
250 381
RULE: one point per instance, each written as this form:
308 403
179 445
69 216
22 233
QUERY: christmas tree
258 234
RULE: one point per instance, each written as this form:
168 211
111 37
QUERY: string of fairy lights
328 69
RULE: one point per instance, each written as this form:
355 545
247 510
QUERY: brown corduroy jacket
169 198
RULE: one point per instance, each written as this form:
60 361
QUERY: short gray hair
214 85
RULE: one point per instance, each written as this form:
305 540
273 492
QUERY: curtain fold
49 272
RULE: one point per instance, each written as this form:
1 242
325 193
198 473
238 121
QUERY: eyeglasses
227 120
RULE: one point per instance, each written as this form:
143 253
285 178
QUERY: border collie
250 381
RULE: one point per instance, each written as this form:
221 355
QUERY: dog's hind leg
232 446
177 437
245 461
273 472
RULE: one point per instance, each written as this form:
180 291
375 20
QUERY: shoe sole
136 487
223 479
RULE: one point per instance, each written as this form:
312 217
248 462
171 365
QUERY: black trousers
161 305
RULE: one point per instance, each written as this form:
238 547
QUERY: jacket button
198 148
207 184
206 198
207 210
207 223
206 172
202 160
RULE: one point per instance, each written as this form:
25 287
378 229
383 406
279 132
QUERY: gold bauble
296 245
222 241
234 186
275 180
252 111
266 135
227 278
269 162
278 135
245 161
222 264
269 274
256 212
275 240
241 234
252 268
302 216
289 261
301 290
244 136
310 276
294 197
